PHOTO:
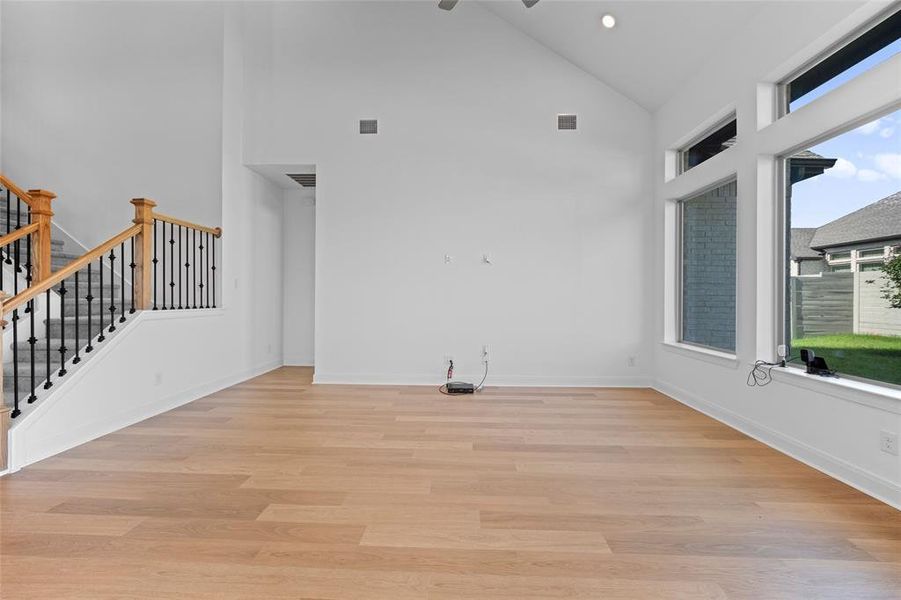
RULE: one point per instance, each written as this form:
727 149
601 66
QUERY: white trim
852 390
576 381
717 357
869 483
298 361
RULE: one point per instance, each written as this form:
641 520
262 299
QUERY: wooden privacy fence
842 303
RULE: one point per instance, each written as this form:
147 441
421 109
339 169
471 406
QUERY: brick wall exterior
708 268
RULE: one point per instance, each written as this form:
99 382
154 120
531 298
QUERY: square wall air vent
566 122
369 126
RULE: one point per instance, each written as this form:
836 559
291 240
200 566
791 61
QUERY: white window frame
781 274
676 336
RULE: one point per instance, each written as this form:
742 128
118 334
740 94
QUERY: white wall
831 426
299 239
110 101
467 161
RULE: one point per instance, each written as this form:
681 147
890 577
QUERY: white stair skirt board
869 483
116 388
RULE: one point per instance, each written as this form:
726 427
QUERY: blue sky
869 161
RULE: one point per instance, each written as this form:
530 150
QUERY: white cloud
843 169
889 163
868 128
887 132
869 175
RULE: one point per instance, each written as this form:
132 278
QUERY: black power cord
450 373
761 373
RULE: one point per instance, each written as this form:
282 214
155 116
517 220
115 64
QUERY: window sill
716 357
868 394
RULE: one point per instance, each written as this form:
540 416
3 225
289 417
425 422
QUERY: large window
878 43
707 268
843 214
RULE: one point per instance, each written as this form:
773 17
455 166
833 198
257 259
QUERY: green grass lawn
871 356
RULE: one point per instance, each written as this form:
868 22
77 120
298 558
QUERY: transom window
714 141
876 45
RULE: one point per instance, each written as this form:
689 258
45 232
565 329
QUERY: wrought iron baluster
214 271
90 300
9 222
163 281
28 265
171 265
180 305
194 262
15 319
132 265
122 282
17 268
77 358
155 261
207 235
112 291
62 319
49 383
32 341
202 270
100 309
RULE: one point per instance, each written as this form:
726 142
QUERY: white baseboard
298 360
493 381
91 431
869 483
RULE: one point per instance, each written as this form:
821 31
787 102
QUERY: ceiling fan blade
530 3
448 4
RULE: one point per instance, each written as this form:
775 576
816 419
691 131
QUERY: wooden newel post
143 283
41 213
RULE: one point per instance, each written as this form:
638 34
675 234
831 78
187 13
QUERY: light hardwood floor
279 489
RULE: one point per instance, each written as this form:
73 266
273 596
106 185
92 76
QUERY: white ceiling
654 46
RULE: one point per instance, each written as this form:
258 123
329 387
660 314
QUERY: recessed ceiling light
608 21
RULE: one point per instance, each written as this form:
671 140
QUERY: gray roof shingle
800 243
880 220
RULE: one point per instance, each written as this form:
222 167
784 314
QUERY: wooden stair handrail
17 234
215 231
70 269
11 186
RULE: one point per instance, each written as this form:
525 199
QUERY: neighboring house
804 259
862 240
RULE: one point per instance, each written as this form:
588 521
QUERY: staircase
58 306
73 304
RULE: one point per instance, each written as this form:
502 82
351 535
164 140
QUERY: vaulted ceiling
654 46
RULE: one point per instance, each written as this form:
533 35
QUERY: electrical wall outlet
158 378
447 359
632 361
888 442
485 353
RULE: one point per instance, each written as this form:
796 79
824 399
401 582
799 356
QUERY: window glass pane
871 267
708 268
875 46
871 252
843 209
709 146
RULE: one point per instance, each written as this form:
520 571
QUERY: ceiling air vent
307 180
369 126
566 122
